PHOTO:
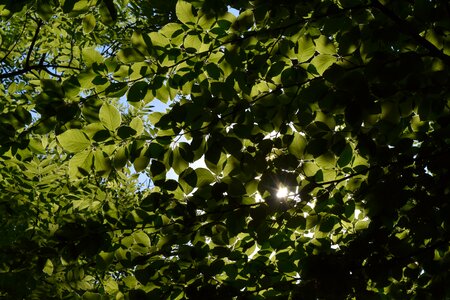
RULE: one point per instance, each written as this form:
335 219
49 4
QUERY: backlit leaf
73 140
91 56
322 62
110 116
325 46
306 48
297 145
80 164
88 23
137 124
184 13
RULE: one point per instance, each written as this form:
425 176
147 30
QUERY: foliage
341 105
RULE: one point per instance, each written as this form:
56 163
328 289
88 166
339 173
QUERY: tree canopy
301 150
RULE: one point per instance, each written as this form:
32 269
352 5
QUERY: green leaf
137 124
137 91
298 145
101 162
296 222
276 69
236 188
213 70
157 168
346 156
171 30
188 180
233 146
108 12
317 147
80 164
88 23
91 56
73 140
141 238
311 221
92 296
306 48
125 132
192 43
120 158
141 163
156 39
204 177
184 12
324 45
328 223
138 42
44 9
130 55
116 89
178 163
155 150
110 116
48 267
36 146
155 117
322 62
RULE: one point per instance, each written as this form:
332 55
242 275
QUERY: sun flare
282 192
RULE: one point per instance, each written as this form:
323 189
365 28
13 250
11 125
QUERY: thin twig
17 40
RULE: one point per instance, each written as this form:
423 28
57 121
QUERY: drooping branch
406 28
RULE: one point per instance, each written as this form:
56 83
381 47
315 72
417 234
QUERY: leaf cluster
199 149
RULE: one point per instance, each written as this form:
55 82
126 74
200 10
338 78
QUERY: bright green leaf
48 267
298 145
325 46
137 124
306 48
322 62
184 12
91 56
80 164
110 116
73 140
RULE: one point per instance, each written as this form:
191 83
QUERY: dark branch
36 67
33 42
14 73
406 28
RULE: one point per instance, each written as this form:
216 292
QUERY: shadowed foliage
224 149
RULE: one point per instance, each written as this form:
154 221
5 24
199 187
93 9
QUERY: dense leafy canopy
323 127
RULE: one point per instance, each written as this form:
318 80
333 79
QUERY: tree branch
406 28
33 42
35 67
